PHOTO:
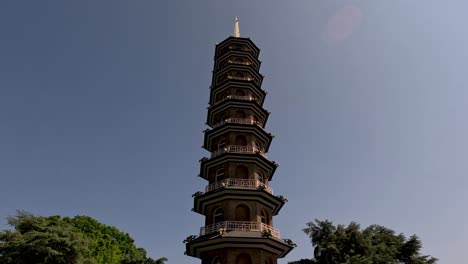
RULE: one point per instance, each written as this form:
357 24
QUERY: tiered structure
238 202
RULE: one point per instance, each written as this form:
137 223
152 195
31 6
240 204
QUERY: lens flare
343 23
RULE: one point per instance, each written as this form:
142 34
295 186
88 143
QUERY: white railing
239 226
243 121
236 149
238 97
239 62
241 97
230 77
238 183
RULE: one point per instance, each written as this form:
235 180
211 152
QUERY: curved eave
231 81
238 194
259 160
236 67
241 104
255 60
237 81
241 84
231 39
241 67
256 130
249 240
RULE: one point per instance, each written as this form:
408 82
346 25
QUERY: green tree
351 245
304 261
157 261
41 240
77 240
107 244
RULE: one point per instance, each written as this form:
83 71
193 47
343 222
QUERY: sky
103 104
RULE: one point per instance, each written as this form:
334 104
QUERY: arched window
241 141
219 175
240 114
239 74
224 63
221 143
237 59
264 217
260 177
216 260
242 172
242 213
223 77
235 47
221 96
256 121
223 117
257 145
225 49
218 215
240 92
243 258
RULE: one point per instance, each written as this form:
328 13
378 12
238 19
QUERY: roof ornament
236 29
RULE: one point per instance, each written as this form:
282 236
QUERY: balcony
237 149
230 77
238 62
238 97
243 121
238 183
239 226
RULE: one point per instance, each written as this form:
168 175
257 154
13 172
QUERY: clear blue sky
103 104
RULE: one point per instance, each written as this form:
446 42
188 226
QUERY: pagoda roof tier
275 203
234 53
229 75
236 67
220 47
255 89
257 158
238 125
237 240
235 103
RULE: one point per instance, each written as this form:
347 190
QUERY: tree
57 240
106 243
41 240
158 261
351 245
304 261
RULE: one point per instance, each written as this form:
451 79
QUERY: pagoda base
237 240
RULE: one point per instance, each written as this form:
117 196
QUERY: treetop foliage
77 240
351 245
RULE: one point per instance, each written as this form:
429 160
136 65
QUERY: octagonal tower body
238 202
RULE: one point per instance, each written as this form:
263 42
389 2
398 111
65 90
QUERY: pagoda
238 202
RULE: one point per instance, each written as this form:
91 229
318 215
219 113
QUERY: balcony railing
241 97
230 77
236 149
239 226
238 183
243 121
238 97
239 62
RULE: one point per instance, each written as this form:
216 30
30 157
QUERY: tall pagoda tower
238 202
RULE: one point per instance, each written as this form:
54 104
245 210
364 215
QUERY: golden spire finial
236 29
